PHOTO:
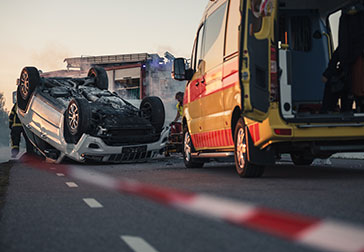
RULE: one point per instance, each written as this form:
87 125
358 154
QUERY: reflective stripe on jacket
179 107
13 118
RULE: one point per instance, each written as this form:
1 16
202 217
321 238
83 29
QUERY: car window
232 28
214 37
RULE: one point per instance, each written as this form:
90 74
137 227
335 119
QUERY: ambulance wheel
77 117
153 110
28 81
244 168
100 75
302 159
188 148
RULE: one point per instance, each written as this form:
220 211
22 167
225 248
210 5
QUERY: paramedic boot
14 152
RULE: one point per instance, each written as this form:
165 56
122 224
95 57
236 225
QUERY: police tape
322 234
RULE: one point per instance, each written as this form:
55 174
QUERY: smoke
160 83
50 57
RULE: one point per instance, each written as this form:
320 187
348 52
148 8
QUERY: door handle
198 82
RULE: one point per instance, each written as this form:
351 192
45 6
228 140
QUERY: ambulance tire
244 168
153 110
301 159
28 81
187 151
100 75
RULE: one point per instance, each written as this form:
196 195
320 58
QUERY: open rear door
255 56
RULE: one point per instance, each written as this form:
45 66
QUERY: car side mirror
179 69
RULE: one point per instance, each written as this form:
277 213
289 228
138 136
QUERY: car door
212 105
195 86
256 38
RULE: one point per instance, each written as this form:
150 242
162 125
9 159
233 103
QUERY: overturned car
80 119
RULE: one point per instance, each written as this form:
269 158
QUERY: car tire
153 110
301 159
187 150
100 75
77 118
28 81
244 168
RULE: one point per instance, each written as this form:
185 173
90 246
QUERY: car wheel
153 110
28 81
77 117
188 148
244 168
100 75
302 159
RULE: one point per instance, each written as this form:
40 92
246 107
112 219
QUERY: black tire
28 81
302 159
244 168
188 148
100 75
153 110
77 118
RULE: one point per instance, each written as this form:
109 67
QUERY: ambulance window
334 27
232 30
257 19
214 37
193 63
199 46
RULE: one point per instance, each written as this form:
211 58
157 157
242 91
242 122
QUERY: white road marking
60 174
52 168
71 184
92 203
137 244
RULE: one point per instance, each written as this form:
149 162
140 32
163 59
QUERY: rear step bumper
213 155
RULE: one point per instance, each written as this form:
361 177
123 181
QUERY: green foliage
4 124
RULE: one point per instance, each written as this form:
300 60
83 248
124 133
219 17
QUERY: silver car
80 119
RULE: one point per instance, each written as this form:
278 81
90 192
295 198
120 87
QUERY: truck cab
256 87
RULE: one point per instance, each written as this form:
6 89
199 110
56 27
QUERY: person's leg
28 144
15 141
329 101
346 102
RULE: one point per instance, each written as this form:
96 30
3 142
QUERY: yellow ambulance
255 85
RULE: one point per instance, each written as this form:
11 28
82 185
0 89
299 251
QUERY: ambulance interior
304 52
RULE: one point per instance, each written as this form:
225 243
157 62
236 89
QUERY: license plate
134 149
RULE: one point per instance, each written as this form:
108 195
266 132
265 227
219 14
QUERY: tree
4 125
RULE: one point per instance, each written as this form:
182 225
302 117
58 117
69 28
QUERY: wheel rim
241 148
24 85
187 147
73 117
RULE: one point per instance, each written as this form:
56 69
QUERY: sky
42 33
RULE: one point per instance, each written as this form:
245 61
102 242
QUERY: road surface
50 212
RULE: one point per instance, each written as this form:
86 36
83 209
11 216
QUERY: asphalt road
44 213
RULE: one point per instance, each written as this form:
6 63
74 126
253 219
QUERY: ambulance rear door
257 60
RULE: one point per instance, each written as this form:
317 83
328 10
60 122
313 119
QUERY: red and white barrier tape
323 234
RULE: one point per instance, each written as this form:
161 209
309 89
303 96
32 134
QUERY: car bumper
91 148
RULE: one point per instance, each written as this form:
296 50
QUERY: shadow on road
340 169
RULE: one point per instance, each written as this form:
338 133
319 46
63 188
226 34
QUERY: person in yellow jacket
179 106
16 129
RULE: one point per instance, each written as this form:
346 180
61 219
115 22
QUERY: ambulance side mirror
179 71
